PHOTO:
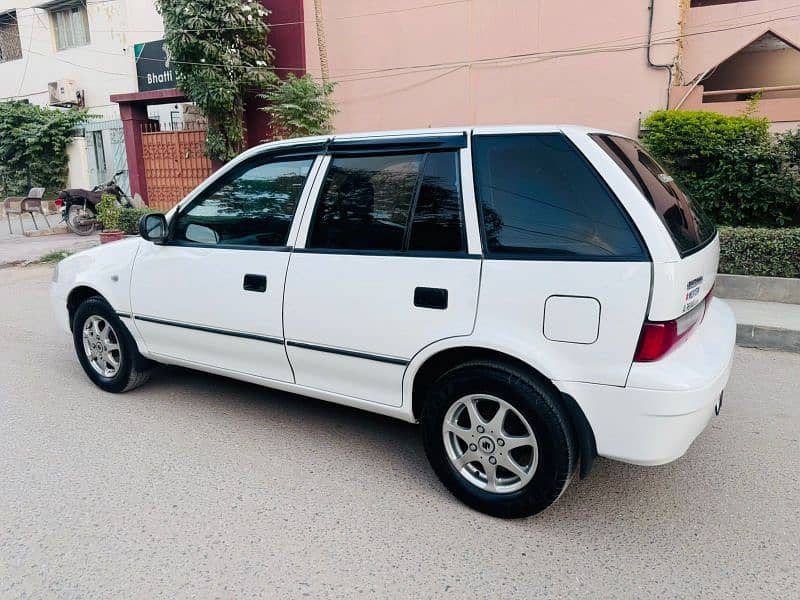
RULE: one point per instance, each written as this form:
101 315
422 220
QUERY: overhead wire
376 73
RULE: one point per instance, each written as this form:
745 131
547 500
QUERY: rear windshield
690 228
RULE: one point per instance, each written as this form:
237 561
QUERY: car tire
513 467
105 348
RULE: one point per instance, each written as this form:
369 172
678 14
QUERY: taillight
59 202
659 338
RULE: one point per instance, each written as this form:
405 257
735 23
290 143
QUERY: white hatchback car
534 296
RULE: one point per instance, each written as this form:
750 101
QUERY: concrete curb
762 289
55 230
767 338
12 263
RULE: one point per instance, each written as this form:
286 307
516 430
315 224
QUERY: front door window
252 206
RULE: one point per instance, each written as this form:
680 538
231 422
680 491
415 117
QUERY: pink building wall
456 78
714 33
741 23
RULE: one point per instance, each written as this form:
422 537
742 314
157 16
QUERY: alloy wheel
102 347
490 444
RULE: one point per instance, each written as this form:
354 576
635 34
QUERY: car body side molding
239 334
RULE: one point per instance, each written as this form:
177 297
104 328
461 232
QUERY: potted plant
108 212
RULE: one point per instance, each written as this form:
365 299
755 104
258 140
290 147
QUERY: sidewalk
767 325
18 249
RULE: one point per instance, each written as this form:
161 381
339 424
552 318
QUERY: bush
767 252
732 167
108 212
752 185
790 141
33 146
687 140
129 219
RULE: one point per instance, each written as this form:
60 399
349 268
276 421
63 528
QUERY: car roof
405 134
477 129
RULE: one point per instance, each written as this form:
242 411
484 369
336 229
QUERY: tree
33 146
219 51
300 106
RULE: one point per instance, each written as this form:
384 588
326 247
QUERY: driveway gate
174 164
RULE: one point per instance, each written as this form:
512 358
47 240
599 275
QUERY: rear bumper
666 404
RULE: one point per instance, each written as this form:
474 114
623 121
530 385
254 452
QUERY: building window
10 48
71 25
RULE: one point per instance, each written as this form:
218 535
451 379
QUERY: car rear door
382 267
213 294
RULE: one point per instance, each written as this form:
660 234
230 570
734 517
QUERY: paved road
196 486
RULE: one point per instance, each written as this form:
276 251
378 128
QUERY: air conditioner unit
64 92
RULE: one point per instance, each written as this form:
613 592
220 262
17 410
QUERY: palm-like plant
299 106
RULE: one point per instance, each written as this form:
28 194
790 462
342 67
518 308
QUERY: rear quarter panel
511 313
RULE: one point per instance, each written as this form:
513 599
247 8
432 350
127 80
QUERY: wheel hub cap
101 345
490 444
486 444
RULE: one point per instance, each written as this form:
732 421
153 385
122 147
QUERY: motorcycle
79 206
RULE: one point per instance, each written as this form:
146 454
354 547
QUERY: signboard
153 70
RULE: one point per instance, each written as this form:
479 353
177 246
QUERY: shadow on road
612 489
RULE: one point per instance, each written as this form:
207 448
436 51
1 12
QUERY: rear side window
438 223
539 197
689 228
393 203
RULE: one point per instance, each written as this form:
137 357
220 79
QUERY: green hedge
129 219
767 252
732 167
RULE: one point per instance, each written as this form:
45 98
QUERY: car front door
381 268
212 294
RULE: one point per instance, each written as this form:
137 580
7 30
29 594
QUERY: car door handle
255 283
425 297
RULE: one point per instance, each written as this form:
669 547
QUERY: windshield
690 228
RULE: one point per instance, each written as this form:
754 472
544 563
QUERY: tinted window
254 206
539 196
438 224
364 203
690 228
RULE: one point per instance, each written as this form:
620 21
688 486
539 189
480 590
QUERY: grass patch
51 258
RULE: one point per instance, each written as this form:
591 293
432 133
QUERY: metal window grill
10 45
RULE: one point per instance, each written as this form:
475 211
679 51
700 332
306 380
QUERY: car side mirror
153 227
